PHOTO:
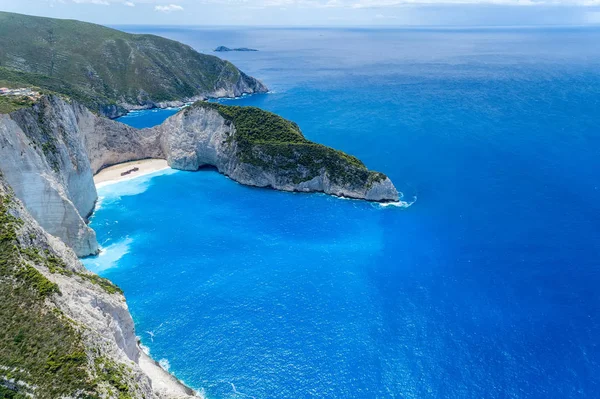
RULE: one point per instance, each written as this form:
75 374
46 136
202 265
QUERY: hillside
11 78
272 143
114 67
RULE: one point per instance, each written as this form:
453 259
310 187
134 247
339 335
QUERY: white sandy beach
112 174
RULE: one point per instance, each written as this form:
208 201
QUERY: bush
269 141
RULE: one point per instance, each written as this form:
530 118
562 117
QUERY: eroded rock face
194 139
44 161
200 136
107 142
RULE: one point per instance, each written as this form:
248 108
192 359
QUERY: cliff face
48 155
66 332
201 135
43 159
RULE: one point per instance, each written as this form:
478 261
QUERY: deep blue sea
486 287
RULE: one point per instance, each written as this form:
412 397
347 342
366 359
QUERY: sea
487 286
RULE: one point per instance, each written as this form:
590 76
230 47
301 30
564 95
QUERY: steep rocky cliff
43 159
258 148
65 332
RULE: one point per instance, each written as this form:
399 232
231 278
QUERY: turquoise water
486 287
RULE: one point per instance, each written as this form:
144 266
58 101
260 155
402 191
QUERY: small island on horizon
223 49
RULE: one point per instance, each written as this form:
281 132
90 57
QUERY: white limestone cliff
48 168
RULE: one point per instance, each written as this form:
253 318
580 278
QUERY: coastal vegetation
269 141
9 104
96 102
40 351
102 66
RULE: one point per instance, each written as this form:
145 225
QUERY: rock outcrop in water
225 49
50 152
261 149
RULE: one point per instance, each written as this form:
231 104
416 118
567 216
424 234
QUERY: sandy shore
162 381
112 174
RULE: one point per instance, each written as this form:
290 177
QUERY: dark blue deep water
486 287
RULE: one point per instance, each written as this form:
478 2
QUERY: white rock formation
48 168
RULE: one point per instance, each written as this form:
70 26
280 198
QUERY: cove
485 287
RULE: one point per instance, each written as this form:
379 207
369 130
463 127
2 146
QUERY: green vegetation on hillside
40 348
9 104
267 140
109 66
45 84
37 346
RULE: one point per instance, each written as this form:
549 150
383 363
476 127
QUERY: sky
316 12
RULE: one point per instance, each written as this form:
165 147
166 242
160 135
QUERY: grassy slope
36 345
39 346
105 62
267 140
47 85
10 104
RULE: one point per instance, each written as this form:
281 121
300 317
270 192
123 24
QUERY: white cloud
98 2
168 8
129 4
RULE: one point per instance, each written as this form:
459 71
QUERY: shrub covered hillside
9 104
43 353
273 143
107 63
98 103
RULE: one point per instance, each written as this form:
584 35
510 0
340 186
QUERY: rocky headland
110 71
